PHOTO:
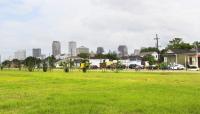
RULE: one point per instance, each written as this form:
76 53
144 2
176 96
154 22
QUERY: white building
82 49
72 49
154 54
20 55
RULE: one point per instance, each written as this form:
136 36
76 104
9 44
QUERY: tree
100 56
112 56
38 63
84 55
85 65
45 66
150 59
6 63
51 61
178 43
196 44
16 63
30 63
149 49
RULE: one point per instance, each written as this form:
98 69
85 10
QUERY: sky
27 24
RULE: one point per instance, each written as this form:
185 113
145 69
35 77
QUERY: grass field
99 93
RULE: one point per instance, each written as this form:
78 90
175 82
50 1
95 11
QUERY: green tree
51 61
30 63
86 65
45 66
149 49
112 56
178 43
16 63
84 55
150 59
38 63
6 63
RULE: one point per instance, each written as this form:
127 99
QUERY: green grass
99 93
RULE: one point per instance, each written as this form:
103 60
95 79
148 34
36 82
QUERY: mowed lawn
99 93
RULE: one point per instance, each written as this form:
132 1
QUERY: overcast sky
27 24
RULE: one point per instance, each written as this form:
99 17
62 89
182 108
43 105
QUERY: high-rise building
37 52
20 55
56 48
82 49
123 51
136 52
72 49
100 50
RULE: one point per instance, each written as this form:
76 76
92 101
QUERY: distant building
72 49
92 54
37 52
100 50
43 56
82 49
136 52
20 55
56 48
123 51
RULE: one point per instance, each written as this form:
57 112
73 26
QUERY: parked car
193 68
135 66
177 67
94 67
132 66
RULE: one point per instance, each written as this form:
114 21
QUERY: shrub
45 68
66 69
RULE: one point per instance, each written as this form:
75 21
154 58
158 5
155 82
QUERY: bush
84 70
45 68
163 66
66 69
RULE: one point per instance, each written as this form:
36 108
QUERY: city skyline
107 23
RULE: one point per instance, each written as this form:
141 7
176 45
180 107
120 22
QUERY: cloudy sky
27 24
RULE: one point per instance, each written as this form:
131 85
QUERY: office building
123 51
82 49
20 55
100 50
36 52
56 48
72 49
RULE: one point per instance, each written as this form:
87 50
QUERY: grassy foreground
99 93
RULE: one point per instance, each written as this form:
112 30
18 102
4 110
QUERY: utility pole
197 56
157 45
157 41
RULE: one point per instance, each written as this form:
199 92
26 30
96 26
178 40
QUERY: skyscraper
56 48
20 55
100 50
36 52
123 51
72 48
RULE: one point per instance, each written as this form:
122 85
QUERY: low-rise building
184 57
